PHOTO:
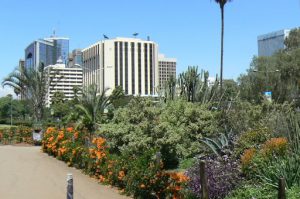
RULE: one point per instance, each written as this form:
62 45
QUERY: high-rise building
272 42
166 69
75 59
127 62
61 79
46 51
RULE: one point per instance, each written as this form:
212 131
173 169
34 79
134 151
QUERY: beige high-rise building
127 62
166 69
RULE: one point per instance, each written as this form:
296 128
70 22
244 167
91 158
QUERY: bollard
281 189
203 181
69 186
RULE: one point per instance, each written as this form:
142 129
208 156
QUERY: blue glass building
270 43
46 52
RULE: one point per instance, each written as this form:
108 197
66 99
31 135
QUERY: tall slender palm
222 4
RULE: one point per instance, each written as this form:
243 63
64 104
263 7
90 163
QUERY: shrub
223 176
140 175
251 139
13 135
176 129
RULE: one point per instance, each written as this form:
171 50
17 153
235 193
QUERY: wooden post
281 189
69 186
203 181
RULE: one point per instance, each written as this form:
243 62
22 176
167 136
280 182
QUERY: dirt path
27 173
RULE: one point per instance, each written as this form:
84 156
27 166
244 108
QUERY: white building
166 68
61 79
127 62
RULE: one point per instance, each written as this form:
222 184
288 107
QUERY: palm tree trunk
222 41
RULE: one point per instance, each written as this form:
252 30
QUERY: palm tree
222 5
91 108
29 82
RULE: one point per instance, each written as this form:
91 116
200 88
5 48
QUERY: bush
141 175
14 135
175 129
223 176
251 139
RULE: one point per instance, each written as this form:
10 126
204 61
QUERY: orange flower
247 156
69 129
142 186
76 135
276 146
101 178
121 175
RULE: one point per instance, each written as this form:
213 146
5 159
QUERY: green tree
222 4
90 110
293 40
170 88
30 83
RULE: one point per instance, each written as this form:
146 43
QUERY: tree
30 83
170 88
293 40
91 107
222 4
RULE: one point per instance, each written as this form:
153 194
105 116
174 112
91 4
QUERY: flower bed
141 176
16 135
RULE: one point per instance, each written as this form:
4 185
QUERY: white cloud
5 91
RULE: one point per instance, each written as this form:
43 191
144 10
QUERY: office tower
127 62
272 42
75 59
46 52
61 79
166 69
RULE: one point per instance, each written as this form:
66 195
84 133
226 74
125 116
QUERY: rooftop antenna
53 33
135 34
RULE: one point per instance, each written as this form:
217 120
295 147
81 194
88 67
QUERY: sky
186 30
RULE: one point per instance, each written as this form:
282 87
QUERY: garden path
27 173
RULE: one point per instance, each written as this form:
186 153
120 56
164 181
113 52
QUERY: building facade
61 79
166 69
127 62
75 59
270 43
46 51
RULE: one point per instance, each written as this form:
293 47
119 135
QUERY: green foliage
221 145
16 134
243 116
279 73
18 108
176 128
89 112
140 175
251 139
253 191
250 191
30 83
293 40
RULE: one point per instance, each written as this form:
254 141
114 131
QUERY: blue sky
186 30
